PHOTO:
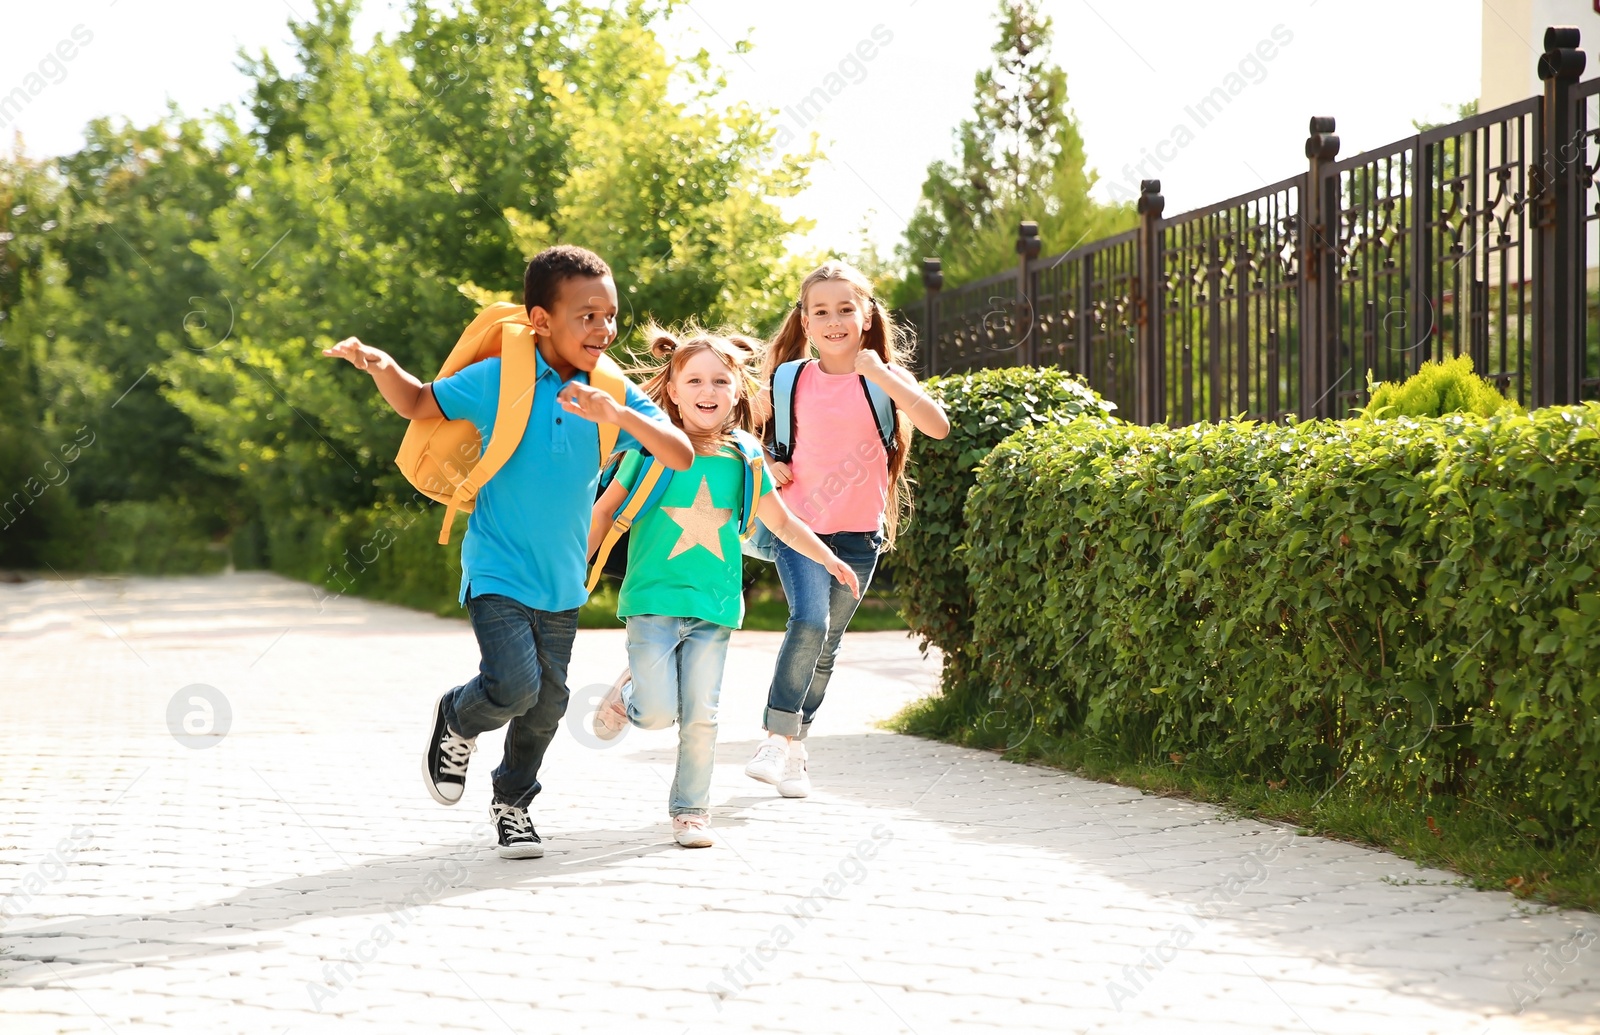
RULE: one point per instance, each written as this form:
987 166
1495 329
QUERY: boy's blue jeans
820 607
676 666
521 680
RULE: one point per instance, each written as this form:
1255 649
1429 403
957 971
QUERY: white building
1513 39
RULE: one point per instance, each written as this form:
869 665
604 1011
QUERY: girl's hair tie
745 345
663 345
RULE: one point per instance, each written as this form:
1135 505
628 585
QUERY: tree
389 191
1020 157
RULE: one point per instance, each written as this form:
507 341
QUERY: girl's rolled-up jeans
820 608
676 668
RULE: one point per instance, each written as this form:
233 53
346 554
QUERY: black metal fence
1475 237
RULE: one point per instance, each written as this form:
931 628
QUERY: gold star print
701 523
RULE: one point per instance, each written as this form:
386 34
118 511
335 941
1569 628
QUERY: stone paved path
293 876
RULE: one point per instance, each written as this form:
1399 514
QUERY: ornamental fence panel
1478 237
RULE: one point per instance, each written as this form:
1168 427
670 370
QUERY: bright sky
1133 69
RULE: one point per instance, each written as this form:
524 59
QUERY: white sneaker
767 763
796 782
692 831
612 714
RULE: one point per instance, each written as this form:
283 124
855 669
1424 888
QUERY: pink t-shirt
841 475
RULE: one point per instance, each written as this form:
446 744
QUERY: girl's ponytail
662 342
790 342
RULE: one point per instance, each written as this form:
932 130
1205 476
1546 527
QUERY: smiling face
705 391
835 318
580 326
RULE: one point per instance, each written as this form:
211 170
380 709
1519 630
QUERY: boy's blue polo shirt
527 538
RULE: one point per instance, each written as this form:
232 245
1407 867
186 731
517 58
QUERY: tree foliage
171 286
1020 156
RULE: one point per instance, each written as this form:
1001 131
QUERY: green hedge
984 408
1402 605
162 537
389 552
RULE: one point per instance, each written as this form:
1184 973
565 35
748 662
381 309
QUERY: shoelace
767 752
689 820
794 767
455 750
515 819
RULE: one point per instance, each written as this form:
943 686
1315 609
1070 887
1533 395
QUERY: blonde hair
672 349
882 337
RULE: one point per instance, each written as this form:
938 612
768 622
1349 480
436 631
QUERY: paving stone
292 875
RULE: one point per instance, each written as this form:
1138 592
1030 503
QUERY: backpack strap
519 367
783 384
784 381
882 413
750 451
648 488
608 377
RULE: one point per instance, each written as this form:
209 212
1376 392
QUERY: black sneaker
444 767
518 840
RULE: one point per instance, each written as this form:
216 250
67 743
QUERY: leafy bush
1437 388
984 408
1406 606
169 537
388 552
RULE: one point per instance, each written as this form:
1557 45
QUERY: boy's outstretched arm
410 398
663 441
797 535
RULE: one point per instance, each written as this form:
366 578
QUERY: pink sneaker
692 831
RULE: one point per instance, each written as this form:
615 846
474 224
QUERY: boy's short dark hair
550 267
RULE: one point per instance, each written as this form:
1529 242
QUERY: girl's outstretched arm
919 407
796 535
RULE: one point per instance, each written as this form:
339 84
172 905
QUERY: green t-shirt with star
683 553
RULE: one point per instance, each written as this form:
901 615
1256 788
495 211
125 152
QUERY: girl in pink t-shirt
842 482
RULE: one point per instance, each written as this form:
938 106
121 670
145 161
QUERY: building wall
1513 39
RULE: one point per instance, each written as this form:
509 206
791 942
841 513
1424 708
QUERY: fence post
1028 245
1319 273
932 282
1558 256
1150 388
1420 315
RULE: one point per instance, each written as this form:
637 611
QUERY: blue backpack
761 544
784 380
646 492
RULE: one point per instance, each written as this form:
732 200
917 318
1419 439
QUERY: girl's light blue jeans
677 677
820 607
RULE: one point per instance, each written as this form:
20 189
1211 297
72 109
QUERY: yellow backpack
445 459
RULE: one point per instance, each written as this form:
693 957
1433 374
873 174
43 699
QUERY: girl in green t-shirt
682 595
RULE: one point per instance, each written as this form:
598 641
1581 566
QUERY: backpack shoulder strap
648 487
518 373
882 413
750 451
608 377
784 380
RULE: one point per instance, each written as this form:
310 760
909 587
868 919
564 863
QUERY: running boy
522 561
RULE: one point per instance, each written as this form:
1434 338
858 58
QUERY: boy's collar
543 367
